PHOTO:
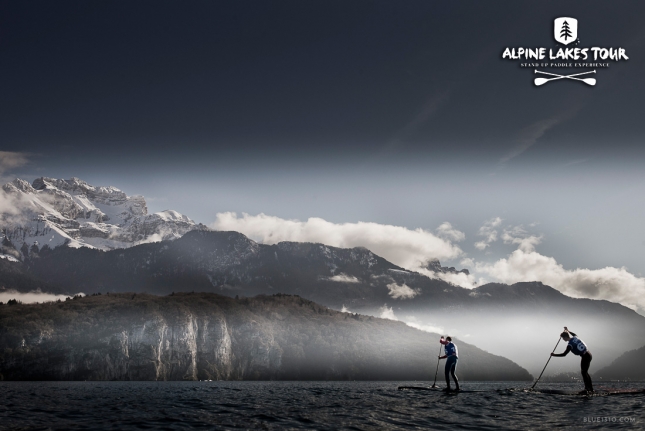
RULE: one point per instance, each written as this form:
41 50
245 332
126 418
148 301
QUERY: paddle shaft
437 370
564 76
589 81
547 363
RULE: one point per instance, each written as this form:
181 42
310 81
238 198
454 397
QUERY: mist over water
32 297
303 405
529 340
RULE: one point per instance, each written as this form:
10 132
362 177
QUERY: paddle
434 385
547 363
542 81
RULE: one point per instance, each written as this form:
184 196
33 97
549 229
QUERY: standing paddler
578 348
451 357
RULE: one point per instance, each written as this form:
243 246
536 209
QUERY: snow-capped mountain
54 212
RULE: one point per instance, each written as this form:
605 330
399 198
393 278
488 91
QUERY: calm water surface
305 405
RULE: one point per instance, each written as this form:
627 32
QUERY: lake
307 405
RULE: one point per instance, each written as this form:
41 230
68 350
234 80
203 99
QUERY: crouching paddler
578 348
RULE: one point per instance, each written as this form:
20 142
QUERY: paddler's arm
572 333
566 352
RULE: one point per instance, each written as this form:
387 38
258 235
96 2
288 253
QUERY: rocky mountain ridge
53 212
230 263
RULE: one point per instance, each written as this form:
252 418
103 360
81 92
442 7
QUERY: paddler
451 357
578 348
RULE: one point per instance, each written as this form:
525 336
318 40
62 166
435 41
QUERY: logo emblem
565 30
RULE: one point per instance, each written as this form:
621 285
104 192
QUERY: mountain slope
206 336
521 322
15 276
628 366
231 263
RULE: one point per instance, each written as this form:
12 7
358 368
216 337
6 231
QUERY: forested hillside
208 336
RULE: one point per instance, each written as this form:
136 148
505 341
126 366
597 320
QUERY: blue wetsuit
451 362
578 347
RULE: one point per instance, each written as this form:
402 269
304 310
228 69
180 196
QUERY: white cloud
345 309
11 160
528 243
9 204
12 257
467 262
445 230
387 313
155 237
15 209
344 278
517 235
31 297
468 281
405 247
481 245
489 232
612 284
402 291
414 323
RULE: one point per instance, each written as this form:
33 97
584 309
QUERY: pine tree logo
565 30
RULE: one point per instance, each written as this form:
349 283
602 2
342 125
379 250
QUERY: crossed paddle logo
542 81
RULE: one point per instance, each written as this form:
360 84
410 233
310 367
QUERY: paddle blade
590 81
540 81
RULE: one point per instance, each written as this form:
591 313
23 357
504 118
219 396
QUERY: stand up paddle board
599 392
425 388
419 388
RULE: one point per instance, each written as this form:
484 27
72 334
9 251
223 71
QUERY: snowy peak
170 215
18 185
57 212
76 199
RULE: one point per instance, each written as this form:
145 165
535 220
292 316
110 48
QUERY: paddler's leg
447 371
453 368
585 362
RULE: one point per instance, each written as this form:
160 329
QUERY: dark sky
399 112
289 80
